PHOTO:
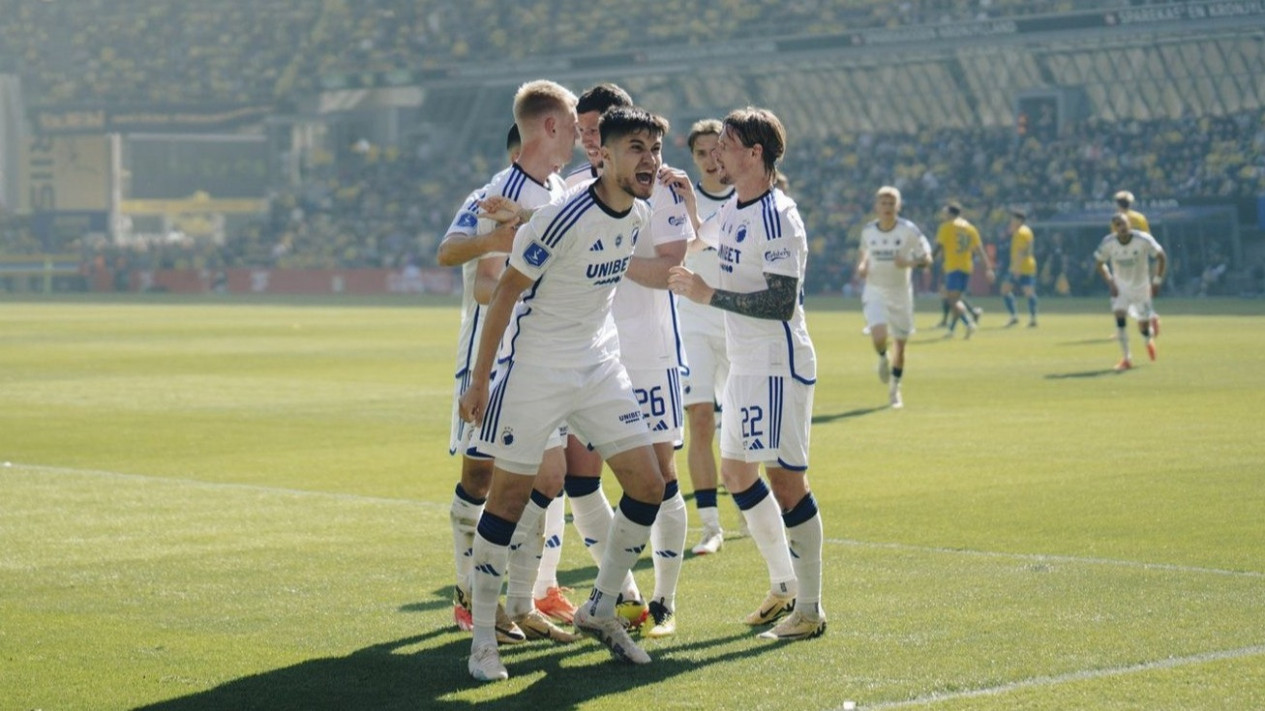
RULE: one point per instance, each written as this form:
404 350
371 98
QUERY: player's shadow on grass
859 412
1083 374
394 675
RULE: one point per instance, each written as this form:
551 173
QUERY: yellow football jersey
1022 260
1138 221
959 239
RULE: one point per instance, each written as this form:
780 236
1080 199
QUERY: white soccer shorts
708 368
766 418
890 307
529 404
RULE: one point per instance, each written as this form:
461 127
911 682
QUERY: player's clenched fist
474 402
683 282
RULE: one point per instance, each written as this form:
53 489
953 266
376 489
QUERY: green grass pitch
213 504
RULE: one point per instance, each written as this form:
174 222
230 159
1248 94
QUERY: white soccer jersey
1130 263
520 187
584 174
763 236
904 240
700 319
577 251
649 334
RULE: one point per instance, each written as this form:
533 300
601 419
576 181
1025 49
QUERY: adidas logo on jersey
661 427
597 246
755 445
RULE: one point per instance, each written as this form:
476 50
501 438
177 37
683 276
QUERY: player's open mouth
645 178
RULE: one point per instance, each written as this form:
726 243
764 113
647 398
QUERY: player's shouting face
635 159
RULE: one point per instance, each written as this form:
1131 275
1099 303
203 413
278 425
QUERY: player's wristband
1157 280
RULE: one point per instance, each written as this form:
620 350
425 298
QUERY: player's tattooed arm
776 303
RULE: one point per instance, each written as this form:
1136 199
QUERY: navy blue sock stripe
748 499
670 489
803 511
639 512
466 497
496 529
541 500
897 372
705 498
577 486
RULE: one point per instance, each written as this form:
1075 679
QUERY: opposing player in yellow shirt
1023 269
957 243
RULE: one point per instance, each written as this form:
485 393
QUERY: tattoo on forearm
776 302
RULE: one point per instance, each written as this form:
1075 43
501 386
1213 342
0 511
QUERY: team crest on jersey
507 436
741 234
619 241
467 219
536 254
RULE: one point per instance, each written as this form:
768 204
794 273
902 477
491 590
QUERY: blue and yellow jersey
1138 221
958 239
1023 262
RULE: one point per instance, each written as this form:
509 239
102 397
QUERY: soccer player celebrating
1129 279
561 364
546 113
645 318
1023 269
891 247
766 408
703 331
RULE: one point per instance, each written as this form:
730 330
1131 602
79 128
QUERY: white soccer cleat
711 542
535 625
897 403
610 631
796 626
485 663
884 369
773 607
970 330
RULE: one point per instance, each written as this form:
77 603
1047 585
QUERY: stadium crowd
245 51
388 207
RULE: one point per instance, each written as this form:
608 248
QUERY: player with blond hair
891 246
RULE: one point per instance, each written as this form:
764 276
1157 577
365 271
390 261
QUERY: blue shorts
956 281
1023 280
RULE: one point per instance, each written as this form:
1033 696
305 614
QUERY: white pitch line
1050 558
1087 675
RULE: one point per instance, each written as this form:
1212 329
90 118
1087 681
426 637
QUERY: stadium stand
937 121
